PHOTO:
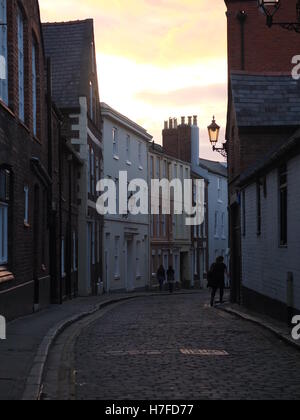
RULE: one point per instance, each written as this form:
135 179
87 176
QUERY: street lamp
271 7
214 132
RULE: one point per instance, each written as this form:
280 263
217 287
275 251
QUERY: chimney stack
182 120
175 123
195 120
166 125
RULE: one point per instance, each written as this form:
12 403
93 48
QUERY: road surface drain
188 352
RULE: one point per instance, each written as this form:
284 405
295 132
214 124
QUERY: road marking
198 352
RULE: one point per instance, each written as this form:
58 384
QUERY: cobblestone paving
138 351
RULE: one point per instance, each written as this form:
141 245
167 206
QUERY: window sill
141 168
128 163
116 157
7 109
117 278
5 275
26 225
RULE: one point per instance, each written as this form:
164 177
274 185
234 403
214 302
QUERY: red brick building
263 102
25 182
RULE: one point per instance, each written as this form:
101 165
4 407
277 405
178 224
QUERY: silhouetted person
161 277
171 278
217 279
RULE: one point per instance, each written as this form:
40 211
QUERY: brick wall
266 50
28 256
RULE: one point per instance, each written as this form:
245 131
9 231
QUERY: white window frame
115 142
21 68
26 205
3 53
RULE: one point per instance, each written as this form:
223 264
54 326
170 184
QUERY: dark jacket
216 277
171 276
161 274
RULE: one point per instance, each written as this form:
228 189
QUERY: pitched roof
266 100
272 158
214 167
68 46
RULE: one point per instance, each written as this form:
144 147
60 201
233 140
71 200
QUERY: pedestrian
171 278
161 277
217 279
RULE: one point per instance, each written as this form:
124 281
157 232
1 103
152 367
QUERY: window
91 101
128 148
140 155
3 54
157 168
92 171
216 224
138 251
258 209
165 170
220 189
115 142
26 202
117 257
157 225
74 252
152 225
97 170
21 65
223 225
175 172
4 203
151 167
34 88
164 225
283 205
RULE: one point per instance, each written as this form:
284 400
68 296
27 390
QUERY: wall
265 263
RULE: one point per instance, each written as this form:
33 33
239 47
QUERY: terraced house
71 48
25 183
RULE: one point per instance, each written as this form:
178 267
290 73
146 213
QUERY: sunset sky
157 58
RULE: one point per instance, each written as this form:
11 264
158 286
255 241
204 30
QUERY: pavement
116 344
25 351
170 348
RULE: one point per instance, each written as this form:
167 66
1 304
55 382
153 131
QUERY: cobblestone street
176 347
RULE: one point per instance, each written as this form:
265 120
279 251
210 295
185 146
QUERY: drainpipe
242 17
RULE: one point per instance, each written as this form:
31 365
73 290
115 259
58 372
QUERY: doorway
131 269
36 247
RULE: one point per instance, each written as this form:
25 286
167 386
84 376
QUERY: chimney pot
166 125
182 120
175 123
170 124
196 120
190 121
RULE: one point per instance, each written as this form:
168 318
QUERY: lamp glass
213 132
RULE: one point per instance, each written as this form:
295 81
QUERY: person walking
161 277
171 279
217 279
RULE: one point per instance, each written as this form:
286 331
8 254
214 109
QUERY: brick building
71 47
25 183
182 141
262 109
170 237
